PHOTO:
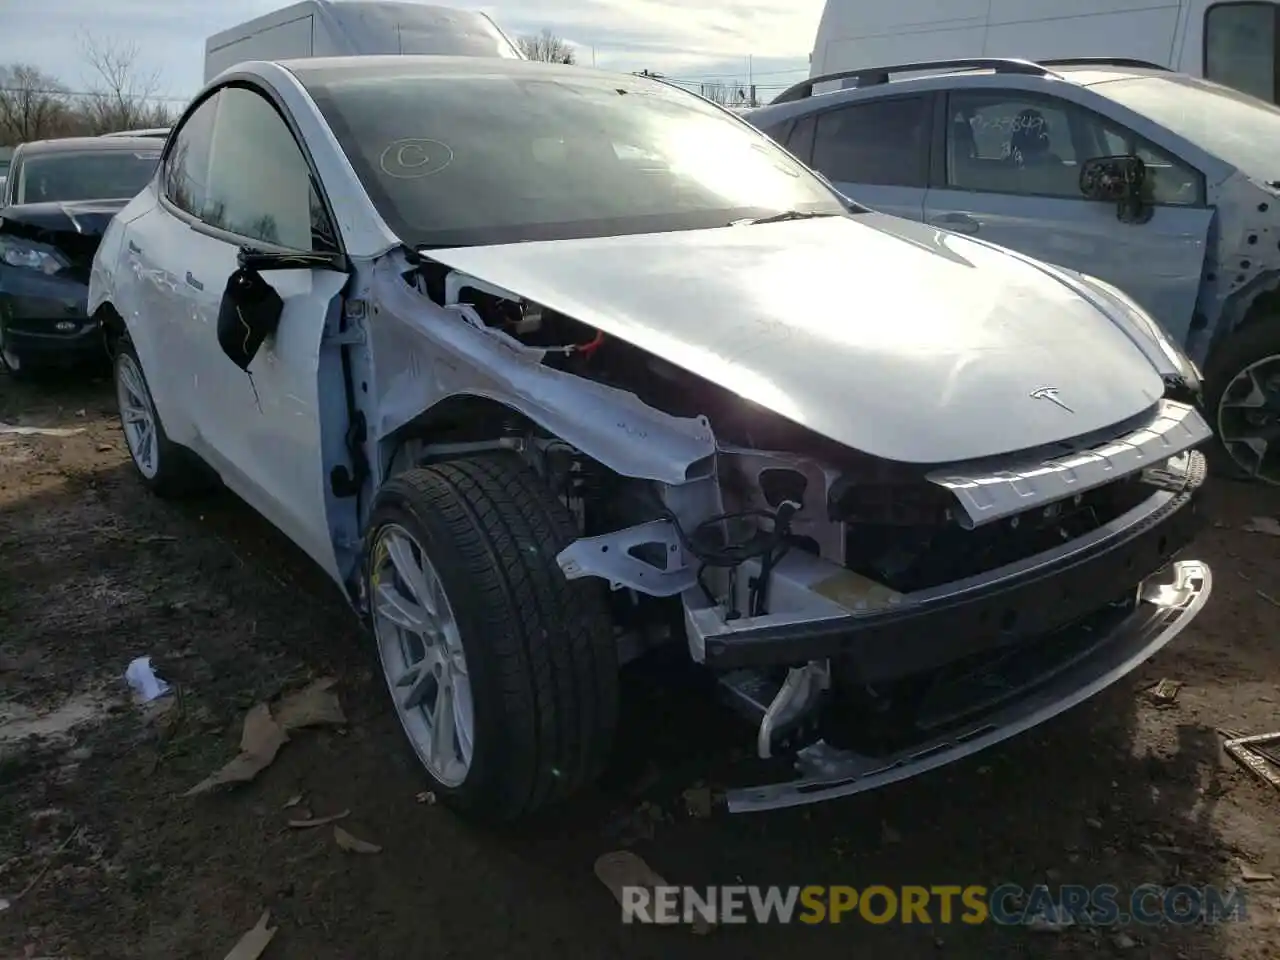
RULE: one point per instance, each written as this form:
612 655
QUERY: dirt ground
93 572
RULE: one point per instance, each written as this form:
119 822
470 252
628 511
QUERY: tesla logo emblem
1050 394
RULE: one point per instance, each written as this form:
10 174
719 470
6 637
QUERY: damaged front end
870 618
876 626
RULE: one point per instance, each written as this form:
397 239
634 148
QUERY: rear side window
884 142
1240 43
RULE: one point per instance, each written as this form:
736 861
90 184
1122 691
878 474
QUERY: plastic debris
306 822
1165 692
15 430
142 678
255 940
354 844
1256 754
1265 525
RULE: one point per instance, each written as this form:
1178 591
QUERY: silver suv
1161 184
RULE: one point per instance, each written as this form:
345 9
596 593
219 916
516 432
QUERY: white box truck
1231 42
340 28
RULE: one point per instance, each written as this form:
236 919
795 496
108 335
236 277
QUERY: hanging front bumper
1167 602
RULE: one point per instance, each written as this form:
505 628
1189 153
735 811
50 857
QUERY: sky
730 41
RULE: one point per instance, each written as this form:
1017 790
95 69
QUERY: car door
261 427
1010 173
873 151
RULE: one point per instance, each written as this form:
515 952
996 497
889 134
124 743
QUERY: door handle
134 248
193 282
958 222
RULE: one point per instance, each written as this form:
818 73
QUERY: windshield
106 175
461 158
1242 130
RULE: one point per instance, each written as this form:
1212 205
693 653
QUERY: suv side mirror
1119 180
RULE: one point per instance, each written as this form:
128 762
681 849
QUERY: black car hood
84 218
74 227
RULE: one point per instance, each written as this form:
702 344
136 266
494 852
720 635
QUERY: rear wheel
503 673
167 468
1243 400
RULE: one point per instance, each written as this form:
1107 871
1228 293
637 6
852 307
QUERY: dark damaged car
54 207
548 367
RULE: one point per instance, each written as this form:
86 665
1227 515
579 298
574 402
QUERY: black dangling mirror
249 313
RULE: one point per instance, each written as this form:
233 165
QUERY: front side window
883 142
1034 146
260 185
1240 42
458 155
185 178
89 175
1011 143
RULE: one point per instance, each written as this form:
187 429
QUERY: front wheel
503 673
1243 399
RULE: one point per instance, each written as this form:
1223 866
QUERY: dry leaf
622 868
697 801
293 801
251 945
260 741
1268 525
354 844
302 824
313 706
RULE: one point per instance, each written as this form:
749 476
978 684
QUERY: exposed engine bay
784 550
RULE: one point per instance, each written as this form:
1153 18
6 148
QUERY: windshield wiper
780 217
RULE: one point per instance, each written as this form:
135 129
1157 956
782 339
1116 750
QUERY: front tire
166 468
1242 398
504 674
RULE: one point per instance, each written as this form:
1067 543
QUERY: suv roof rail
1103 62
873 76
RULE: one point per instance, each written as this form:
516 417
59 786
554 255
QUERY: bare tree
33 105
728 95
123 97
547 47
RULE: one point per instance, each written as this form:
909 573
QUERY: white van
338 28
1231 42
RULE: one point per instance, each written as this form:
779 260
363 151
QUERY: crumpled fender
424 354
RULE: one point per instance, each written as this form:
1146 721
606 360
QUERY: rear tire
167 469
1247 363
537 651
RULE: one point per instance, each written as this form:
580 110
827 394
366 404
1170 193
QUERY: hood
84 218
73 227
896 339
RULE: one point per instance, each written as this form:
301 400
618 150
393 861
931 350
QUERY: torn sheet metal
424 354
